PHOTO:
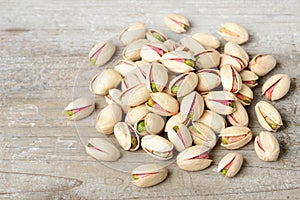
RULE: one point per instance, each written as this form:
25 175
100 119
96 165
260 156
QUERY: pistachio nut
244 95
249 78
135 95
230 78
102 53
213 120
194 158
262 64
234 33
207 59
235 137
157 147
239 117
132 33
221 102
192 106
156 77
176 23
207 40
230 164
129 81
79 108
178 61
208 79
148 175
153 51
238 63
180 136
276 86
183 84
268 116
235 50
124 67
171 45
173 121
185 49
127 136
142 67
136 113
155 36
266 146
133 50
203 135
192 45
114 97
101 149
107 118
149 124
103 82
162 104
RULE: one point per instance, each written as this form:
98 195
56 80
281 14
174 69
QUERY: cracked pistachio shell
148 175
129 81
213 120
176 23
203 135
221 102
208 79
230 164
238 63
239 117
171 45
153 124
183 84
194 158
268 116
262 64
276 87
142 67
155 36
266 146
192 106
132 33
235 137
249 78
207 40
153 51
103 82
180 136
207 59
135 95
173 121
114 97
236 50
107 118
136 113
156 77
234 33
133 50
102 53
178 61
80 108
244 95
163 104
126 136
157 147
125 67
192 44
101 149
230 78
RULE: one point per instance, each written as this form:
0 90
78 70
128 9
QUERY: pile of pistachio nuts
166 96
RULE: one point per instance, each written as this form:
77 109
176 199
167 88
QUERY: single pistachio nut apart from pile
80 108
276 87
177 23
102 53
230 164
266 146
234 33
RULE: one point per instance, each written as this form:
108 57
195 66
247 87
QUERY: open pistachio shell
149 124
230 164
235 137
180 136
133 50
244 95
107 118
266 146
276 87
156 77
213 120
130 80
192 106
268 116
238 63
157 147
207 59
183 84
148 175
114 97
235 50
153 51
126 136
176 23
194 158
207 40
124 67
249 78
208 79
239 117
136 113
230 79
162 104
132 33
192 45
135 95
171 45
79 108
102 53
155 36
234 33
203 135
142 67
221 102
262 64
173 121
101 149
179 61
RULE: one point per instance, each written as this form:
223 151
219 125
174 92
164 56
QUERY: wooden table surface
43 65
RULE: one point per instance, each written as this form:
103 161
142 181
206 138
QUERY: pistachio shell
136 113
79 108
276 87
213 120
102 53
163 104
207 40
124 67
149 175
194 158
236 50
152 124
153 51
132 33
265 113
141 69
183 84
262 64
107 118
171 45
133 50
203 135
156 77
249 78
129 81
207 59
103 82
221 102
235 137
230 79
238 63
266 146
234 33
192 45
239 117
155 36
135 95
244 95
230 164
180 136
126 136
157 147
114 97
192 106
208 79
178 61
176 23
173 121
101 149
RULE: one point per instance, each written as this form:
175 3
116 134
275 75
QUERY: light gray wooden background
44 47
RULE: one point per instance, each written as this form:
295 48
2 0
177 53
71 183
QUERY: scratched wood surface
43 65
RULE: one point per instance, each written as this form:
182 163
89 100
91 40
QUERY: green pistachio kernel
224 141
153 87
89 145
69 112
141 126
224 171
176 128
134 142
191 115
93 61
175 89
134 177
158 37
185 26
150 102
232 104
273 125
189 63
